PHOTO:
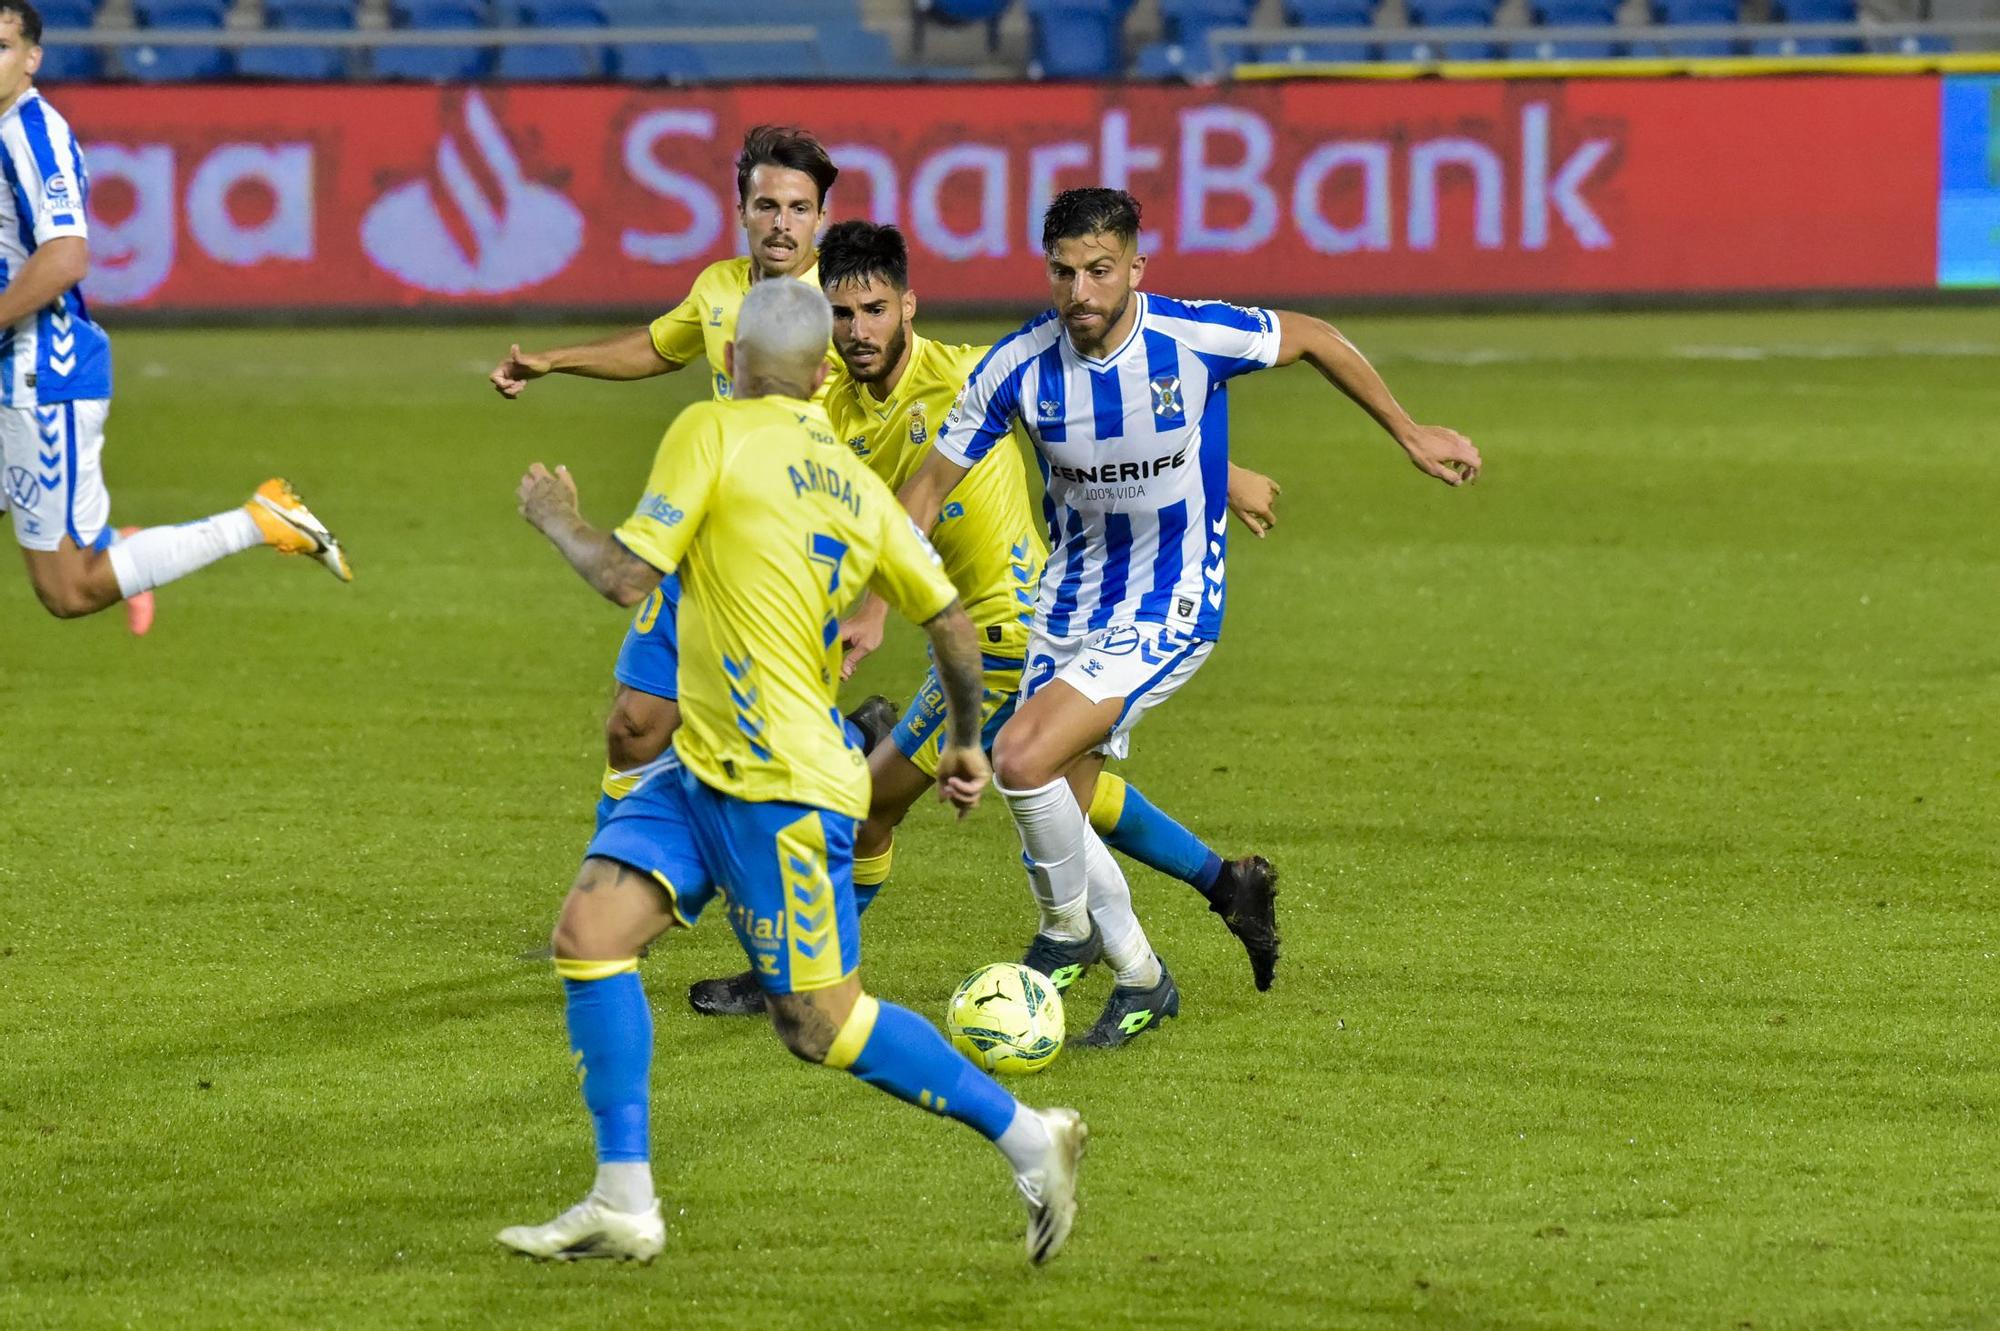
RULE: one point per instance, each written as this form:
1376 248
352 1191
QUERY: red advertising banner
370 197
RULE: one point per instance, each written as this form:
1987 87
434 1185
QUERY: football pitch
1636 814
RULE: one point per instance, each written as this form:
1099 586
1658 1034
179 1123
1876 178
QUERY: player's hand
1253 498
862 633
510 376
1445 454
544 494
961 777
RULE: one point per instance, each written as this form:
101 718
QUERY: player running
777 529
1122 393
783 176
55 385
892 389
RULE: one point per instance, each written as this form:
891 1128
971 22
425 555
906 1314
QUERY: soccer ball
1006 1018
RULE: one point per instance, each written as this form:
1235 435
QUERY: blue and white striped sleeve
1230 339
44 170
985 410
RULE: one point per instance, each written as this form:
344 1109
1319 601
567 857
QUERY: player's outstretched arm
547 500
54 268
1253 498
923 495
1436 451
962 768
627 355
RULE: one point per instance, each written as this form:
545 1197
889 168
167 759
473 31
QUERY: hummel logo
1051 410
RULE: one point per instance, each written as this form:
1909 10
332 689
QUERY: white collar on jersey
1138 326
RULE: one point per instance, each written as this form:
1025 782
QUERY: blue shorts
650 658
785 870
919 736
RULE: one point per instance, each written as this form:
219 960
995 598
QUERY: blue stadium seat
63 62
1075 39
1810 11
435 64
1326 14
178 64
1446 14
1569 14
300 63
657 62
556 62
957 13
1689 13
734 62
854 52
1164 62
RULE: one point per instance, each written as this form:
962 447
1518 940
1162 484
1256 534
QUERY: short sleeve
45 166
679 490
908 573
1230 339
985 409
677 334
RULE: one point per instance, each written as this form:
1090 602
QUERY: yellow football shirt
701 325
775 530
986 535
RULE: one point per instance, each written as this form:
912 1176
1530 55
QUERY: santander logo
480 227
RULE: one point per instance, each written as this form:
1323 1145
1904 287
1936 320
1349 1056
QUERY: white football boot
1049 1188
592 1229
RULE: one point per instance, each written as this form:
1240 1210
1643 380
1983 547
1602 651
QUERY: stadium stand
1076 39
178 64
435 64
65 63
1570 14
556 62
697 41
300 63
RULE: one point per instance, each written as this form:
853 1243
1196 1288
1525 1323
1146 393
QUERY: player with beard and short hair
1121 393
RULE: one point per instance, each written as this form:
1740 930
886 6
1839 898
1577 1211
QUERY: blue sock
611 1030
1138 829
901 1053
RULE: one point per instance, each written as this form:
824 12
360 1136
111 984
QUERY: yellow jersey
992 548
775 530
705 322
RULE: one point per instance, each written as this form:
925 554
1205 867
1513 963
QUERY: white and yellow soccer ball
1007 1018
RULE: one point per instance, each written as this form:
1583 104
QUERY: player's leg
1242 892
55 478
789 874
641 875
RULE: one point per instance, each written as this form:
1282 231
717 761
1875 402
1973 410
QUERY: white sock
625 1185
156 556
1053 833
1026 1141
1125 945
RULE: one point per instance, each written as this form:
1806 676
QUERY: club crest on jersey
918 434
1167 395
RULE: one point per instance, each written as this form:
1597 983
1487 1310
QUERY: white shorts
52 473
1144 664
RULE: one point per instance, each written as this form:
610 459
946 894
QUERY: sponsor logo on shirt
1114 473
660 509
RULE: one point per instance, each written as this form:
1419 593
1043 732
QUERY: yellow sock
1107 802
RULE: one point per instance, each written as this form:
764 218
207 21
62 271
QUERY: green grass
1636 812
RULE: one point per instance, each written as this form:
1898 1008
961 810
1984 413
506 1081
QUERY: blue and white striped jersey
1134 450
55 354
